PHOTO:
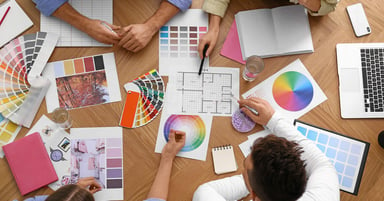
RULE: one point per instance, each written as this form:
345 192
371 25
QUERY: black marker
202 61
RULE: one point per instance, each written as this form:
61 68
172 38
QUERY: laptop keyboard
372 61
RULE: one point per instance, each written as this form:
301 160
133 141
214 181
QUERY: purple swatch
241 122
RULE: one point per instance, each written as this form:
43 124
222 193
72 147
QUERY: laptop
361 79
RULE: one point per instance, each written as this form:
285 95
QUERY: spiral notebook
224 159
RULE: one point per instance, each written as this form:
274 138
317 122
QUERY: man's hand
313 5
176 142
264 109
96 30
136 36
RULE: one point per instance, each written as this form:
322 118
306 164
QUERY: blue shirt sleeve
37 198
47 7
181 4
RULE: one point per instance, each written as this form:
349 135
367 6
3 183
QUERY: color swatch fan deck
145 98
21 87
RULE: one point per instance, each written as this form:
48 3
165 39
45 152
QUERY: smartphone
358 19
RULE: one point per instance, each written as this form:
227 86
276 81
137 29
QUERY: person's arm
47 7
229 188
136 36
323 182
318 7
159 188
216 10
92 27
90 184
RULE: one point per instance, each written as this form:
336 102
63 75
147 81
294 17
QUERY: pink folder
30 163
231 47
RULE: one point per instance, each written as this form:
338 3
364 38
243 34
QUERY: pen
202 61
108 27
249 108
5 14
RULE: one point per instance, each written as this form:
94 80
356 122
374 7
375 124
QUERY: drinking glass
253 66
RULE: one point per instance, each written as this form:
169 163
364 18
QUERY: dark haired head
278 173
71 192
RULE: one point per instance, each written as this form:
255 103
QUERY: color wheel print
192 125
292 91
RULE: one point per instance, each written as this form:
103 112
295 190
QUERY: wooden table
140 161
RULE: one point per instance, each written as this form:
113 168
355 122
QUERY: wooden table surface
140 161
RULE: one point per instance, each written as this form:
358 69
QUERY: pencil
202 61
249 108
5 14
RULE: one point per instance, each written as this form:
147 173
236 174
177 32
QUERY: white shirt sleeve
229 188
322 182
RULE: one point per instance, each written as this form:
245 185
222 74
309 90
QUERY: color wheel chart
347 154
197 129
292 91
98 152
145 98
69 35
22 61
81 82
178 42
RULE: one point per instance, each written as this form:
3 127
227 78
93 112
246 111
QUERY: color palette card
98 152
347 154
197 129
57 144
8 133
15 21
22 88
209 93
145 98
292 91
179 40
69 35
81 82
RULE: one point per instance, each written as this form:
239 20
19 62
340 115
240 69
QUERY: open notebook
273 32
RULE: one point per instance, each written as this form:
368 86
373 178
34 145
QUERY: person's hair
71 192
278 173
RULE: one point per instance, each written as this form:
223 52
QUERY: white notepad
224 159
15 22
272 32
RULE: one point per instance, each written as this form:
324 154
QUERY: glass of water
61 117
253 66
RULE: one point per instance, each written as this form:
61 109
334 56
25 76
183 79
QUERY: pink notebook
30 163
231 47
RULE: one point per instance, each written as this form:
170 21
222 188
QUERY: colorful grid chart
347 154
178 42
292 91
69 35
82 82
197 130
98 153
8 133
145 98
21 61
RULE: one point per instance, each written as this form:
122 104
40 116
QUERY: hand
90 184
136 36
313 5
176 141
209 38
99 32
264 109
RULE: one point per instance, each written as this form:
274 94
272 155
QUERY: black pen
202 61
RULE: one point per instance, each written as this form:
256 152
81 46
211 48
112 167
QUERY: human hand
136 36
96 30
313 5
90 184
264 109
176 142
210 39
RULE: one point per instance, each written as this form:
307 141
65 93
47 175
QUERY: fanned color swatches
145 98
8 133
21 88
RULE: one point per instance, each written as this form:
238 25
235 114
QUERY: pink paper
231 47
